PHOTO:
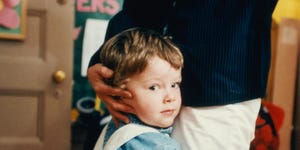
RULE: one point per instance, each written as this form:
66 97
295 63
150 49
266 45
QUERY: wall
287 8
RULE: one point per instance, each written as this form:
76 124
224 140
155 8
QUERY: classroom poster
91 18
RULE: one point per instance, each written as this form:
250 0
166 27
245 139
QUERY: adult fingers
117 106
96 76
117 110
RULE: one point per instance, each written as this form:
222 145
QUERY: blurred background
46 101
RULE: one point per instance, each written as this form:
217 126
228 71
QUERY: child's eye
153 87
175 85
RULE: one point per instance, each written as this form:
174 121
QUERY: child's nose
169 98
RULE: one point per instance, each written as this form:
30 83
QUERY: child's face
156 93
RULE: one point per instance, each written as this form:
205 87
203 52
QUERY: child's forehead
158 69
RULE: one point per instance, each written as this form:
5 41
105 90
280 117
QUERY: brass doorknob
59 76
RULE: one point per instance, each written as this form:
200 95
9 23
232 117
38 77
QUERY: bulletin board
95 13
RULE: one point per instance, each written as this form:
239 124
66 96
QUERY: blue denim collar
134 119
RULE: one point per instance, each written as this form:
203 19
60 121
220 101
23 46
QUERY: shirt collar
134 119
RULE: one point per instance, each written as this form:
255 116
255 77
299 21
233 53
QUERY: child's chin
166 125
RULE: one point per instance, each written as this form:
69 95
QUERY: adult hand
96 74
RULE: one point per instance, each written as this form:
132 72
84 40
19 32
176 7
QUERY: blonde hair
129 52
